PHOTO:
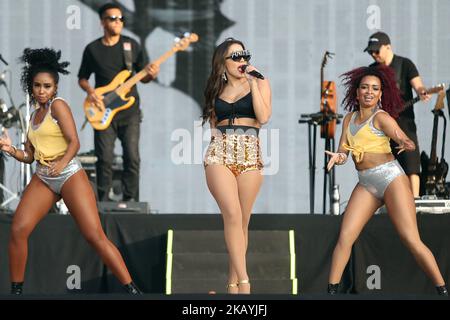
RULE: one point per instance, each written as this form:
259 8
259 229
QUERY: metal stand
25 169
328 176
313 120
312 130
12 195
15 116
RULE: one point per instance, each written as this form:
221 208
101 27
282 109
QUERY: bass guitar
433 90
115 93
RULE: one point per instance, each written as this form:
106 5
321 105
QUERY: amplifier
88 161
434 206
123 207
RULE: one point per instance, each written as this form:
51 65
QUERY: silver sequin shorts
56 183
377 179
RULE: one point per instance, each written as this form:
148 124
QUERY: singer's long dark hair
215 83
392 102
40 60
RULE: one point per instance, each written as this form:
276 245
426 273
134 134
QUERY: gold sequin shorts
235 147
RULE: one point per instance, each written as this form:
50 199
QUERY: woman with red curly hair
373 101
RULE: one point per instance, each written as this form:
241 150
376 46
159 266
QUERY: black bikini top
242 108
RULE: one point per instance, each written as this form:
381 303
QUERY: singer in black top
105 58
236 105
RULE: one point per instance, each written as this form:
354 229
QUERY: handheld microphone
254 73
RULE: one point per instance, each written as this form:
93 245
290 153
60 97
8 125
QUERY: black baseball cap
377 40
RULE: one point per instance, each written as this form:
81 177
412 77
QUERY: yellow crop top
367 138
47 138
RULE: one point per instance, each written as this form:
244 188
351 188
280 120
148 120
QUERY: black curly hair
40 60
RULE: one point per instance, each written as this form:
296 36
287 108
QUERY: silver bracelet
343 155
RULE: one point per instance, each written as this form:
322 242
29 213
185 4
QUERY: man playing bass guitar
106 57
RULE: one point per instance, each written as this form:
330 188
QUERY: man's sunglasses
371 52
114 18
238 55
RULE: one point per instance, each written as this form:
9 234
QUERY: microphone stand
313 120
312 130
328 176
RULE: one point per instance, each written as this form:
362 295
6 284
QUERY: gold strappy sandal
232 285
246 281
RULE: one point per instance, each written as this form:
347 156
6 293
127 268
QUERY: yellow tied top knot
366 140
43 159
357 151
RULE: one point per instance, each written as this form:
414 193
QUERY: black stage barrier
60 261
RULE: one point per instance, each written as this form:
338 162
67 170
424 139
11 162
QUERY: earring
379 105
224 77
33 102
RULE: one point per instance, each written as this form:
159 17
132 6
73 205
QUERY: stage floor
380 267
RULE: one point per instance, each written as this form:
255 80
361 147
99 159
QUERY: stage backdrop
287 39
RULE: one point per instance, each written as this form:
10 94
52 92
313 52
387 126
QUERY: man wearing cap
407 77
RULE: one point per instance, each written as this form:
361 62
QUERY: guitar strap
127 54
398 68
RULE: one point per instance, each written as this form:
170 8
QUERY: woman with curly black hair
52 141
373 101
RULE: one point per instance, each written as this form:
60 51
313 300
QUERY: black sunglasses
114 18
238 55
373 51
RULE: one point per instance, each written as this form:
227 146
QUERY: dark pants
128 131
410 161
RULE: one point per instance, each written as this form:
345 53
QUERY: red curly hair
392 102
